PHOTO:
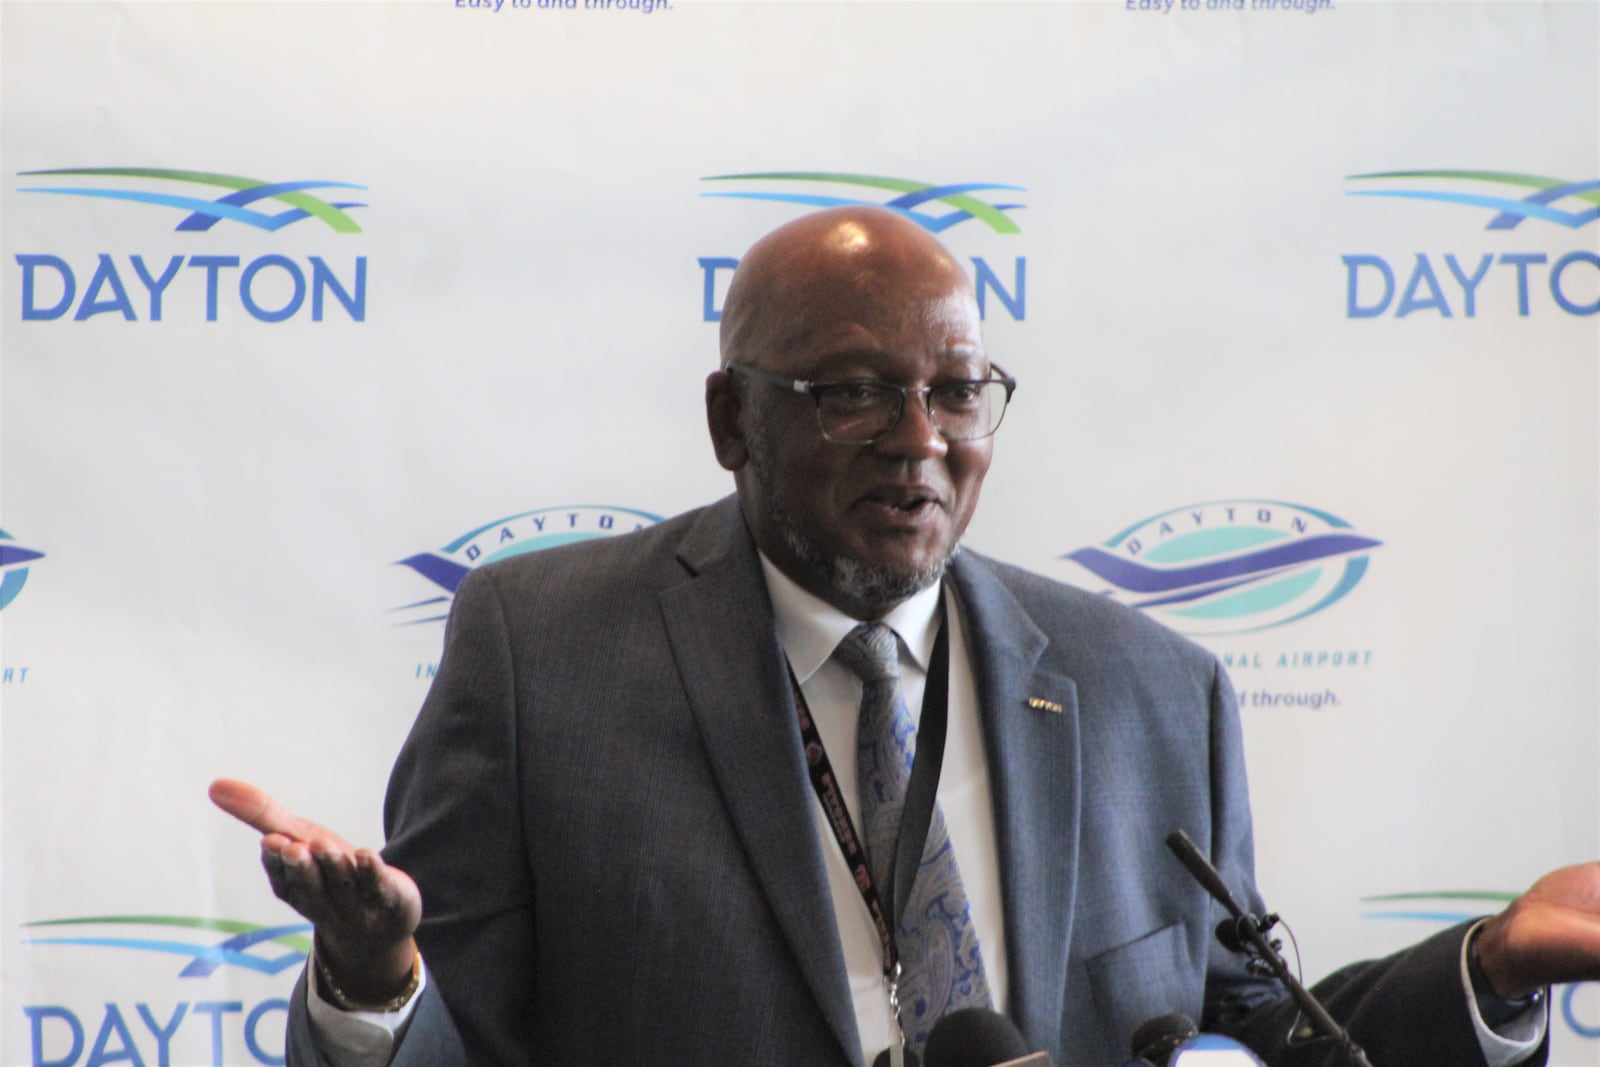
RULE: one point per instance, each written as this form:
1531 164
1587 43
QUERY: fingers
257 808
351 895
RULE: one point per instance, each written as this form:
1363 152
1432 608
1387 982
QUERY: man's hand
364 910
1549 934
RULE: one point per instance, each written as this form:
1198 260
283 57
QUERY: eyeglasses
864 411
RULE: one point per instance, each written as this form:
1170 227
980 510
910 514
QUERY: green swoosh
970 204
223 926
311 205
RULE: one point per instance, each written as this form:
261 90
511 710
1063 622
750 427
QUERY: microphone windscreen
883 1059
1156 1039
973 1037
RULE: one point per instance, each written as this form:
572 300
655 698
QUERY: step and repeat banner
310 308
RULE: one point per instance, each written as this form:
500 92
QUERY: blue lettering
1264 515
709 265
211 265
1016 301
606 522
1199 517
36 1017
1408 299
216 1009
252 1020
473 552
1298 526
248 299
163 1033
1353 309
157 286
506 535
1555 283
538 522
105 274
69 287
101 1054
322 279
1134 546
1469 286
1520 260
1165 528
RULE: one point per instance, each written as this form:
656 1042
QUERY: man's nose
915 435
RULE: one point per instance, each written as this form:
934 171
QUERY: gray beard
855 580
858 581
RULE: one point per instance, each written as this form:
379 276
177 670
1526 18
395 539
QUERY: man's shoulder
606 567
1091 623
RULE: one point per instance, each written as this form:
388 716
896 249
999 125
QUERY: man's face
863 526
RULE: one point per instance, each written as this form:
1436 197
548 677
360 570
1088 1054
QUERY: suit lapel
739 692
1030 723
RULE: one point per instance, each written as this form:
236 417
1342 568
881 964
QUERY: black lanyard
915 817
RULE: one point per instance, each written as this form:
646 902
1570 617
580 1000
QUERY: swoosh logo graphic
233 206
11 555
204 959
914 194
1509 212
1177 584
1442 911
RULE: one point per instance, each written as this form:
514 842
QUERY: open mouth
903 501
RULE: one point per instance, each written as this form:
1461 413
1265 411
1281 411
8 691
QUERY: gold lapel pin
1041 704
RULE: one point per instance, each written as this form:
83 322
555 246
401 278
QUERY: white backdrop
203 513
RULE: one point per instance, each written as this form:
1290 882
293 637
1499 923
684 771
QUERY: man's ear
722 419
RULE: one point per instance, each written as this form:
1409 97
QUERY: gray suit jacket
605 804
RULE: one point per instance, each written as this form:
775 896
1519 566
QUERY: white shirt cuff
360 1038
1518 1038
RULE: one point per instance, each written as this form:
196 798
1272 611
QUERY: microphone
978 1037
1174 1041
1252 931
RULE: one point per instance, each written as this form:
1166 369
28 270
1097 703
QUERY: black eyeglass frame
817 390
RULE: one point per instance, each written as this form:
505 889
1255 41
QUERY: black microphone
978 1037
1252 931
1155 1040
882 1059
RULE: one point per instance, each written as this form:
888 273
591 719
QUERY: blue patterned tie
942 969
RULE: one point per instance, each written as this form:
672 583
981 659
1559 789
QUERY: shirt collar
810 628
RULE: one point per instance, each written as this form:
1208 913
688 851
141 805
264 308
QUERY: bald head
829 263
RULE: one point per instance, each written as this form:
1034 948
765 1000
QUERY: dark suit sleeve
1405 1010
453 817
453 822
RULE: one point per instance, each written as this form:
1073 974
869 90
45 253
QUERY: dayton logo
271 288
936 208
13 567
206 1029
292 942
513 535
1514 276
1231 566
1450 906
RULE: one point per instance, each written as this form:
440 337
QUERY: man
606 805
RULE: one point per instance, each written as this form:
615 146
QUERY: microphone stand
1250 929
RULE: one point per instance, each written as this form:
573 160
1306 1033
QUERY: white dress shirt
809 630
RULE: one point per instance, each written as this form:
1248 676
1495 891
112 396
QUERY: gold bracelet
334 995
